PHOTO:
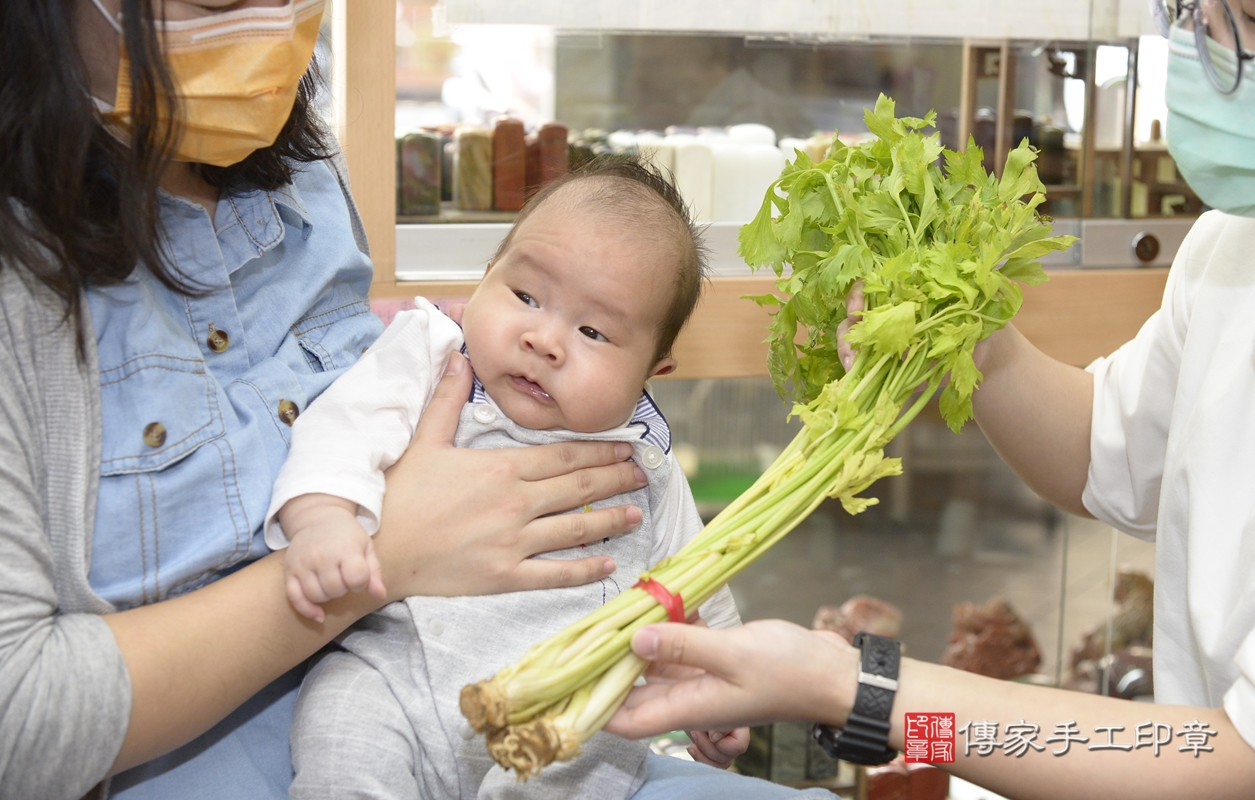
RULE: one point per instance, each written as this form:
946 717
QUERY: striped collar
647 414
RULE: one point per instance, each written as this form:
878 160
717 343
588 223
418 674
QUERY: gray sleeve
65 696
350 736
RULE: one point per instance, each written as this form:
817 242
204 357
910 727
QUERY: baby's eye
526 298
593 334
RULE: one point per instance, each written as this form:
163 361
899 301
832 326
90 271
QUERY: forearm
1036 413
1228 771
195 658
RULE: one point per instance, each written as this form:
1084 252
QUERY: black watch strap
865 737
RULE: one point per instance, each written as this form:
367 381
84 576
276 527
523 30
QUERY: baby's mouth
529 387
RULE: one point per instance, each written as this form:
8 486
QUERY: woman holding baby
173 297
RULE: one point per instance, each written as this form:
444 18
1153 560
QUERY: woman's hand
761 672
853 313
457 521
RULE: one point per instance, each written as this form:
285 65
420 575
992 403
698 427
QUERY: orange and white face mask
235 76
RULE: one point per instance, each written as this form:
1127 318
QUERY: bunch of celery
938 252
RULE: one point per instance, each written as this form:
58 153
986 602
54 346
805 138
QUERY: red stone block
927 782
554 154
509 164
533 164
888 782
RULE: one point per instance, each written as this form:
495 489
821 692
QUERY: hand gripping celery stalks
939 252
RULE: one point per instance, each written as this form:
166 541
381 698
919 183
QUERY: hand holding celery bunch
938 253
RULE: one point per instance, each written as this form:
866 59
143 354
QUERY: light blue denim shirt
197 398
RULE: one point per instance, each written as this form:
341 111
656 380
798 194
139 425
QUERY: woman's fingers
559 460
686 645
576 489
440 419
854 302
553 573
561 531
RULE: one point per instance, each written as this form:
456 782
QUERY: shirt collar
251 221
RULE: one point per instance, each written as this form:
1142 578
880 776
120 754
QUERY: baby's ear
665 366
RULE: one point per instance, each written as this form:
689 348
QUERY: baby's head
585 297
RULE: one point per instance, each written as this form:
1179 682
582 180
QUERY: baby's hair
649 190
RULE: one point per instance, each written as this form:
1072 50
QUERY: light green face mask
1211 135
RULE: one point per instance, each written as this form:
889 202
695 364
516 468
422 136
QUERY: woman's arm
454 522
1036 413
774 670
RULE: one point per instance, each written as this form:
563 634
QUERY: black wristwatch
865 737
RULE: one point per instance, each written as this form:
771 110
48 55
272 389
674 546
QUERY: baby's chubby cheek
588 417
604 405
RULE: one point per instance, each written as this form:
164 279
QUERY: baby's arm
329 493
329 553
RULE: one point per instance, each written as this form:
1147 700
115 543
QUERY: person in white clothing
577 310
1158 440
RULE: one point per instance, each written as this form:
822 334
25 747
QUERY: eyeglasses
1216 33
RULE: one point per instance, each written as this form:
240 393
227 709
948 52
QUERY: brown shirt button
288 412
154 434
218 340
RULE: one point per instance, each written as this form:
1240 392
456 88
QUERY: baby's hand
329 554
718 749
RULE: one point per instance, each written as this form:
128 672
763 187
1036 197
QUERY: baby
577 310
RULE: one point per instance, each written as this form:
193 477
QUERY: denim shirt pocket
162 408
169 515
334 335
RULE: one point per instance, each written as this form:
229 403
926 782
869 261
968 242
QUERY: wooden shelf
1076 317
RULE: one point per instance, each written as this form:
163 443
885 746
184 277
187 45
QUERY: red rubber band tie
672 602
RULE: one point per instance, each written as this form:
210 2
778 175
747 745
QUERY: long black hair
77 207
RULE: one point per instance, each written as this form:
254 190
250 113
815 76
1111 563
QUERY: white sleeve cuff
365 490
1121 489
1239 704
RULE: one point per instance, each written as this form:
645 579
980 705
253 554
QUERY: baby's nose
545 343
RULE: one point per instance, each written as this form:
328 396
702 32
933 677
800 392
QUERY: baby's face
562 329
